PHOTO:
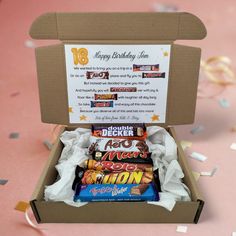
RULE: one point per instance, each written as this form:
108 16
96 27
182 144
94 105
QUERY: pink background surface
22 159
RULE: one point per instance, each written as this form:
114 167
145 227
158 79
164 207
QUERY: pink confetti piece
15 94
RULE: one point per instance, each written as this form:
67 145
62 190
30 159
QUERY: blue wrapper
116 192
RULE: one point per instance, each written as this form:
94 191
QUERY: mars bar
119 156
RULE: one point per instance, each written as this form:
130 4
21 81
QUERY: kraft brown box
116 28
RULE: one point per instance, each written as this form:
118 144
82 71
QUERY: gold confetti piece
233 129
196 175
185 144
22 206
83 117
155 117
70 110
166 54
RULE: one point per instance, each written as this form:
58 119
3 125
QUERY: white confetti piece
196 175
209 173
233 146
30 44
224 103
197 129
182 229
198 156
185 144
234 234
162 7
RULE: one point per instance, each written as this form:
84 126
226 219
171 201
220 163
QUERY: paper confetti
3 181
182 229
209 173
162 7
15 94
197 129
233 129
224 103
198 156
30 222
30 44
233 146
185 144
196 175
48 144
14 135
22 206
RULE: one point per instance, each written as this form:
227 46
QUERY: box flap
117 26
111 29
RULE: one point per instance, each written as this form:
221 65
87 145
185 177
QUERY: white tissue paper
164 155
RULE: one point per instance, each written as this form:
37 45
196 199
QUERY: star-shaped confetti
165 54
70 109
83 117
155 118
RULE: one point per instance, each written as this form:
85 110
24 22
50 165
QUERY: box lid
118 28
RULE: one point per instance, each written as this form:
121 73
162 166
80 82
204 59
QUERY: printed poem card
117 83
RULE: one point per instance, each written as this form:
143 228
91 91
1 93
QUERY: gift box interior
117 29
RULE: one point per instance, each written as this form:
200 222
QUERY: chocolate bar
97 75
125 177
153 75
114 192
139 189
134 131
101 104
123 89
116 166
111 96
114 144
119 156
145 67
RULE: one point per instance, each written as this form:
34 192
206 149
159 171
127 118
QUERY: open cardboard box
117 28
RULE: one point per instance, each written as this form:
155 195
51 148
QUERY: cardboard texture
117 28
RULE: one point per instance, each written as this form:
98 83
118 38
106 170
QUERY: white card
117 83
